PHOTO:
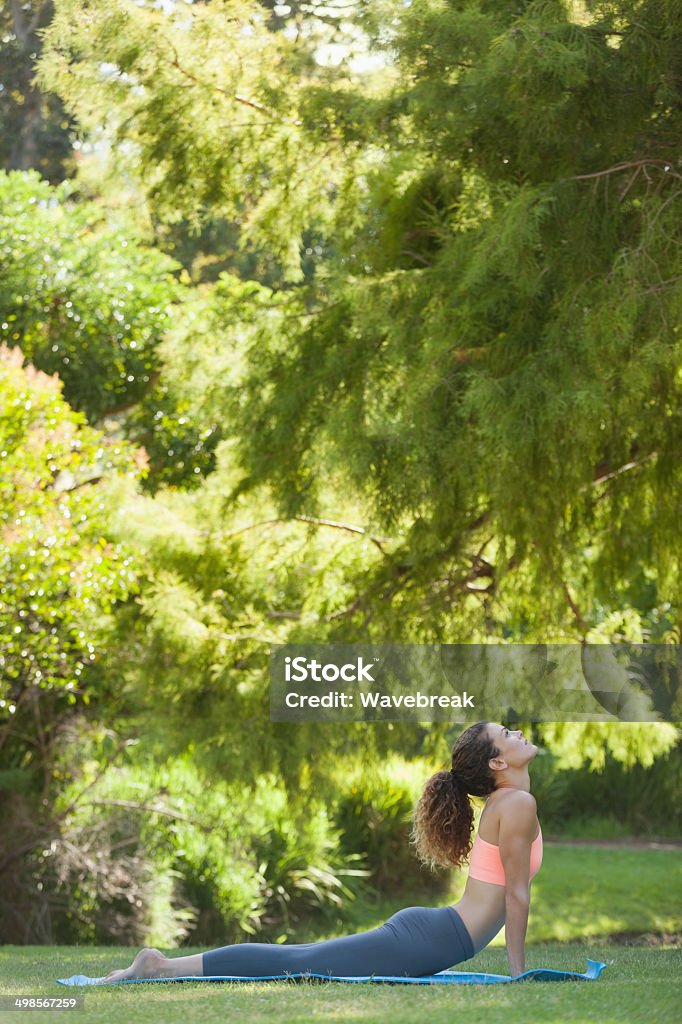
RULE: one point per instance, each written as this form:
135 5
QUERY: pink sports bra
486 864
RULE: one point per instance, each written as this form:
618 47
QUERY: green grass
572 918
639 985
606 826
582 892
587 891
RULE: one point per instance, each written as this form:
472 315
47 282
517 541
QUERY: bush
154 854
304 871
638 800
374 816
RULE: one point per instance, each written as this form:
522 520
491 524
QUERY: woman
488 760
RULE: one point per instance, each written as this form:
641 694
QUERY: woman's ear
497 764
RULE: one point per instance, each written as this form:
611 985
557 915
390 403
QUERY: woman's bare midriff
482 910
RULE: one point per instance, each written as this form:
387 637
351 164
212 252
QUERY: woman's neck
513 778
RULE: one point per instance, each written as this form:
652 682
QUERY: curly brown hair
443 817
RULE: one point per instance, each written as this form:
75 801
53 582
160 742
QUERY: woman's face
513 747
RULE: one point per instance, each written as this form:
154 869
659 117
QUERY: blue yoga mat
594 969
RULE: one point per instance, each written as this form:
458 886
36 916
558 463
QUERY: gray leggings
414 942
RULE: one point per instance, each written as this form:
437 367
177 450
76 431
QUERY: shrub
374 815
639 800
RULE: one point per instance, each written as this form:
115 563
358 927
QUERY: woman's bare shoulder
507 806
518 818
516 801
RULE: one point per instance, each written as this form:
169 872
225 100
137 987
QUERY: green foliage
220 588
304 870
627 743
450 416
490 301
171 855
178 846
374 816
82 296
206 96
91 301
513 248
61 573
61 576
638 799
180 447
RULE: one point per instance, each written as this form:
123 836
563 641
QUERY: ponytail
443 818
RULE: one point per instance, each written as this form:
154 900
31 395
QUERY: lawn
582 900
582 892
639 985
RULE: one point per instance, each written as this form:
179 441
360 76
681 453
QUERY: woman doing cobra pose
489 761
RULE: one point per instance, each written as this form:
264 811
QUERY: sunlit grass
639 985
580 892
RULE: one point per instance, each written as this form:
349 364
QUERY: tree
61 574
205 101
84 298
487 352
35 130
497 361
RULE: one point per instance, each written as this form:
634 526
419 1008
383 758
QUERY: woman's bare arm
518 825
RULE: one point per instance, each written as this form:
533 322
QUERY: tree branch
603 474
237 97
49 826
629 165
155 809
582 625
81 483
378 541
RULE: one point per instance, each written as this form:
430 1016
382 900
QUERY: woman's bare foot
149 963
